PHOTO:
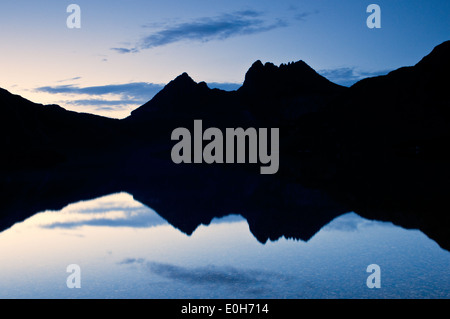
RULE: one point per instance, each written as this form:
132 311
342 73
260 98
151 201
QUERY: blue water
126 250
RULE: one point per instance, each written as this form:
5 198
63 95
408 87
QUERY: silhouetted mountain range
379 148
36 135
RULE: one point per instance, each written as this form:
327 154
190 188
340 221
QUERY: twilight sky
125 51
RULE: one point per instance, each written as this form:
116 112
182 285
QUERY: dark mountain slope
36 135
282 94
179 103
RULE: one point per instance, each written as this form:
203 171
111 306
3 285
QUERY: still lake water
126 250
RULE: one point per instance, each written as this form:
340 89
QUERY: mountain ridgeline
379 148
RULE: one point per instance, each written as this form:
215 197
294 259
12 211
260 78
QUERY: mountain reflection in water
126 250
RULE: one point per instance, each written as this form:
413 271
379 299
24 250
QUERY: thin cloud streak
136 94
71 79
136 89
210 274
207 29
118 104
135 218
301 16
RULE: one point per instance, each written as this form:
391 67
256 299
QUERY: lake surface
126 250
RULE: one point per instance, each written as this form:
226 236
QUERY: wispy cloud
131 217
137 91
71 79
301 16
207 29
240 281
115 210
348 76
125 50
105 98
101 102
212 275
130 261
207 274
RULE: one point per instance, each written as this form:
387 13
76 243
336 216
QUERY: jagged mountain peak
290 78
268 69
182 82
183 78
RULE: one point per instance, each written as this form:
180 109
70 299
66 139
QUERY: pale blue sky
214 41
